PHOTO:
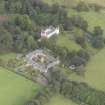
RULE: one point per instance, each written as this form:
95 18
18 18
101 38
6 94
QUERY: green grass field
14 89
95 69
95 72
8 56
93 18
64 41
60 100
69 3
100 2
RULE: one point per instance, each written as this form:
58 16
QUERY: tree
81 41
67 24
6 40
98 42
81 6
79 21
84 25
55 8
30 42
76 60
24 22
83 54
98 31
18 45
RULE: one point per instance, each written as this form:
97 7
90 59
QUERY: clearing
69 3
60 100
93 18
8 56
95 72
14 89
65 41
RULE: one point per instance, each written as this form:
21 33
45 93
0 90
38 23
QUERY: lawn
14 89
95 72
69 3
8 56
65 41
93 18
100 2
60 100
95 69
